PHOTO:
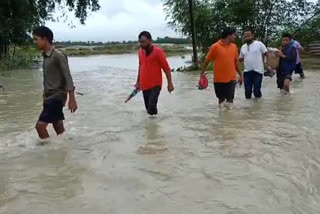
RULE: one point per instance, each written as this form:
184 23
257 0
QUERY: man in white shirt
299 68
252 54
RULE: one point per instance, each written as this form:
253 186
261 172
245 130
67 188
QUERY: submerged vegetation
171 50
20 57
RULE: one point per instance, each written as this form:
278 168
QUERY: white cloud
116 21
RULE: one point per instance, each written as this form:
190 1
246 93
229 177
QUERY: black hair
250 30
44 32
227 32
287 35
145 34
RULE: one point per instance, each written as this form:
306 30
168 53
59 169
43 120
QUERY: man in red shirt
152 60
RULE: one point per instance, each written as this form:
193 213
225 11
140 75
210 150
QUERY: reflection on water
155 140
260 158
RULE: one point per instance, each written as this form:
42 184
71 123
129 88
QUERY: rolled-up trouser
281 78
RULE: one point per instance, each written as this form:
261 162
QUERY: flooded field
260 158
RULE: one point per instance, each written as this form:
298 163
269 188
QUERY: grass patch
172 50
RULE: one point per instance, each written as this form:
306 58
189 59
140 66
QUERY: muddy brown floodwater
262 157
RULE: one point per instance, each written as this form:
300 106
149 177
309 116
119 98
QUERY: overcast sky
117 20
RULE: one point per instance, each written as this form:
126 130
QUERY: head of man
229 34
145 40
286 39
42 37
249 36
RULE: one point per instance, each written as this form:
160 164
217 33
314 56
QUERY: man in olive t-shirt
57 82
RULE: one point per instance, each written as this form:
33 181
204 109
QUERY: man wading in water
288 59
224 54
299 67
152 60
57 83
252 54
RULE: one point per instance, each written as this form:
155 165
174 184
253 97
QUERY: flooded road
262 157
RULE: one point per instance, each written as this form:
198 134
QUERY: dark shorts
281 78
52 111
225 91
151 99
298 69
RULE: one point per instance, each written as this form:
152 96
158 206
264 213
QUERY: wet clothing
298 47
252 55
299 69
57 80
225 91
224 61
281 78
287 64
151 99
52 110
151 66
252 83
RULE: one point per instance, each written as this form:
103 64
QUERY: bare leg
286 85
41 128
58 127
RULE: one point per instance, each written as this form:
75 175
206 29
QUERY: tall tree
19 17
267 17
193 33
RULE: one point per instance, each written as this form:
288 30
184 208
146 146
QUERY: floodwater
262 157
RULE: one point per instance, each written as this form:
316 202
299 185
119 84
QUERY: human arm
237 66
264 52
137 85
69 86
292 56
205 67
209 58
167 70
299 47
170 84
241 56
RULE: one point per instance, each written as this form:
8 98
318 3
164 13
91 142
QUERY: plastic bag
203 82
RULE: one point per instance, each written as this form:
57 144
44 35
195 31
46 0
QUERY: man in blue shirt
288 60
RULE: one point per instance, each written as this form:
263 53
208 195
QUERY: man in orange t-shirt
152 60
224 54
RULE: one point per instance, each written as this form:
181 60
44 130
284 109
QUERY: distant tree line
159 40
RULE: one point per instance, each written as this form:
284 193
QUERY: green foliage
310 32
19 17
269 18
22 57
172 40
